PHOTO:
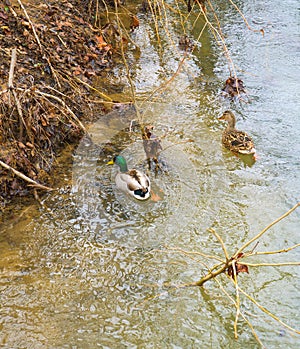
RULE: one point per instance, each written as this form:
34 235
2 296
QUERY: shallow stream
95 269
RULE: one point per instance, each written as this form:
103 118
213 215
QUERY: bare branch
27 179
266 229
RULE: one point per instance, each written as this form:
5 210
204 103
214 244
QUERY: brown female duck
235 140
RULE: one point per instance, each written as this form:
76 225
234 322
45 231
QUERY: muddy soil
47 94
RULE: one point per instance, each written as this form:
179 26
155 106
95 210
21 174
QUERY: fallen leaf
77 71
44 122
242 268
135 23
100 41
3 15
239 268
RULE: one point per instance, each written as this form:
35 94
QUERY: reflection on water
93 269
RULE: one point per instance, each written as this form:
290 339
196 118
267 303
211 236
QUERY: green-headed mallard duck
132 181
234 140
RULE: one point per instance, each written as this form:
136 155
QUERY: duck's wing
139 184
134 180
240 142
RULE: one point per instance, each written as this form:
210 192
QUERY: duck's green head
120 161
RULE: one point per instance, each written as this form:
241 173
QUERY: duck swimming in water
131 181
235 140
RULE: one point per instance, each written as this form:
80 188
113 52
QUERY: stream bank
62 48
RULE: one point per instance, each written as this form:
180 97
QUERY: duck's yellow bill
111 162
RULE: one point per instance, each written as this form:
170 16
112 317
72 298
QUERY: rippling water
94 269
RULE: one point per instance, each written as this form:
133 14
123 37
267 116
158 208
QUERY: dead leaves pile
30 145
70 45
234 87
61 57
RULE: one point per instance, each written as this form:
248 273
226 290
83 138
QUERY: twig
64 105
224 266
218 33
265 229
19 109
52 70
238 310
180 250
243 316
127 69
27 179
221 242
213 274
103 95
165 84
245 20
284 264
272 252
268 312
12 68
11 88
38 42
31 24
